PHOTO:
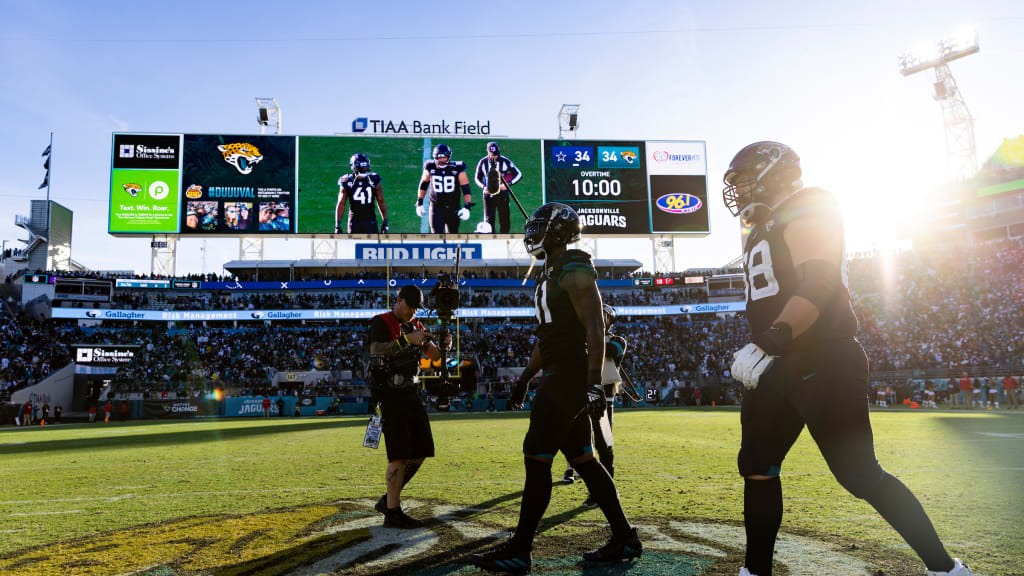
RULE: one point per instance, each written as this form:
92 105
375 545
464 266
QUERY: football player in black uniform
496 194
362 187
444 178
570 350
804 365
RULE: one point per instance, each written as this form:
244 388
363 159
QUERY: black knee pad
863 482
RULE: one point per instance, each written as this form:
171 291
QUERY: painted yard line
45 513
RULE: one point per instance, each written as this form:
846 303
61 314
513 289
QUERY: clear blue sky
820 77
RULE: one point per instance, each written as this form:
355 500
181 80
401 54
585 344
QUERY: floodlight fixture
927 56
568 120
269 113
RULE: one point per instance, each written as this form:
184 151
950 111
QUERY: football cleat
382 505
569 477
504 558
959 569
397 518
745 572
617 549
590 502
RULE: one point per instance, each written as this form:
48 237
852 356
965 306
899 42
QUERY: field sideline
292 496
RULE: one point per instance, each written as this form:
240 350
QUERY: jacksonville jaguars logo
242 155
132 189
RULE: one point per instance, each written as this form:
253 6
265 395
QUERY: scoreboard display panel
605 183
248 185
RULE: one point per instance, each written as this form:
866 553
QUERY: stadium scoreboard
263 185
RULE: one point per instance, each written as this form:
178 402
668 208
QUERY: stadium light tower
269 113
960 150
568 120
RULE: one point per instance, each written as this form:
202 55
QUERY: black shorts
559 420
362 226
406 427
825 389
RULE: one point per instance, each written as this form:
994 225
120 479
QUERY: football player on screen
444 178
363 188
804 366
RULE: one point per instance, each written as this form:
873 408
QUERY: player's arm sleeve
514 170
479 175
381 204
339 208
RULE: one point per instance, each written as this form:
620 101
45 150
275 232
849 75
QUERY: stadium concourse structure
507 268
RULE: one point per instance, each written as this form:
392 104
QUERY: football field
294 496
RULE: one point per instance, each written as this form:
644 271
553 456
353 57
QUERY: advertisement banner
105 354
144 201
353 314
238 184
605 184
253 406
181 408
399 165
147 151
678 187
423 251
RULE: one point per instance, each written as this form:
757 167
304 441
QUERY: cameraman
397 341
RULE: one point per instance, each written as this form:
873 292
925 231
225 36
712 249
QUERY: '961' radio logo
679 203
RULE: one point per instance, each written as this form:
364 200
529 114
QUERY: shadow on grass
170 438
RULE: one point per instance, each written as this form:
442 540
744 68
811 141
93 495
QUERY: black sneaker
382 505
590 502
504 558
617 549
399 519
569 477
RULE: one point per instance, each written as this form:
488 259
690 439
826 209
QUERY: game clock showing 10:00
605 182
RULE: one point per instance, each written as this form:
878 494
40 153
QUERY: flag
47 163
47 151
46 181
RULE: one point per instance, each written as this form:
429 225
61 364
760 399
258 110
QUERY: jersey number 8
760 278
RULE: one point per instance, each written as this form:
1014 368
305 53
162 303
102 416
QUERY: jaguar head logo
242 155
132 189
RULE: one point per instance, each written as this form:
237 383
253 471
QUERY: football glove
597 402
384 227
749 364
421 210
517 396
464 212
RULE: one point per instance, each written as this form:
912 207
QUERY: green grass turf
399 161
966 469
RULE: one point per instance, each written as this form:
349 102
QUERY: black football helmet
553 224
360 165
442 151
760 175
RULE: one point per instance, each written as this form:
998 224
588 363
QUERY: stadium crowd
952 308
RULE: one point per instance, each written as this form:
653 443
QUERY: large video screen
239 185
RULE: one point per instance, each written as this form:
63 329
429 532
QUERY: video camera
445 297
